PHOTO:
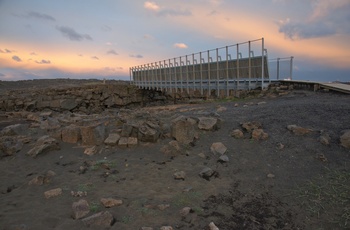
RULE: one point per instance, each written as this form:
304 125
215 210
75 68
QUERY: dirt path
285 182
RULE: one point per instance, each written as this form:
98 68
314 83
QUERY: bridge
220 71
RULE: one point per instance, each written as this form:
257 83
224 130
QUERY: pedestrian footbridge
220 71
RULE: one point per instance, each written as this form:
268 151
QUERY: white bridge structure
219 71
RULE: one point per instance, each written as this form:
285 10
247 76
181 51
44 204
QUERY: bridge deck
339 87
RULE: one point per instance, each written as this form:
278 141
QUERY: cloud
180 45
41 16
43 62
106 28
136 56
94 57
112 52
33 54
6 51
164 11
16 58
2 75
72 35
326 19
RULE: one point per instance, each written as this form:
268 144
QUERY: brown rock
112 139
101 219
237 133
250 126
185 211
183 130
180 175
38 180
259 134
93 135
218 148
297 130
53 193
110 202
345 139
80 209
208 123
10 145
71 134
44 145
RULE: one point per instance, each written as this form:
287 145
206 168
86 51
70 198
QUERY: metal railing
227 68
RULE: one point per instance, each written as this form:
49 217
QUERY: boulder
44 145
259 134
112 139
93 135
179 175
10 145
53 193
12 130
68 104
206 173
208 123
345 139
250 126
237 133
110 202
212 226
297 130
50 124
218 148
325 139
183 130
80 209
71 134
148 134
101 219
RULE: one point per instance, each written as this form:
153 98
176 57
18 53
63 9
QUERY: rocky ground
278 160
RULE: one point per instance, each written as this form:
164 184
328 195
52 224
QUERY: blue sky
104 38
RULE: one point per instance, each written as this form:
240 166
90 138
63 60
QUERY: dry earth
287 181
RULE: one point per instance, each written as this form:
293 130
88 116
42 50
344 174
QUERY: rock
81 209
38 180
101 219
71 134
93 135
237 133
202 155
183 130
206 173
166 228
123 142
208 123
250 126
44 145
261 103
345 139
325 139
259 134
68 104
220 109
218 148
224 158
10 145
148 134
112 139
126 130
270 175
53 193
146 228
180 175
162 207
13 130
50 124
110 202
90 151
185 211
132 141
280 146
212 226
172 149
297 130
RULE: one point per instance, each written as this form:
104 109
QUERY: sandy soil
304 185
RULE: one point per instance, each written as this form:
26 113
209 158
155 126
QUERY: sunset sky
103 38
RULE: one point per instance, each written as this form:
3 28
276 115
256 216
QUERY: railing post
278 68
181 75
217 73
262 63
193 73
237 66
227 90
201 71
187 89
209 74
175 77
249 65
291 68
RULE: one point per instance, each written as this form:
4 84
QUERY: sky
102 39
